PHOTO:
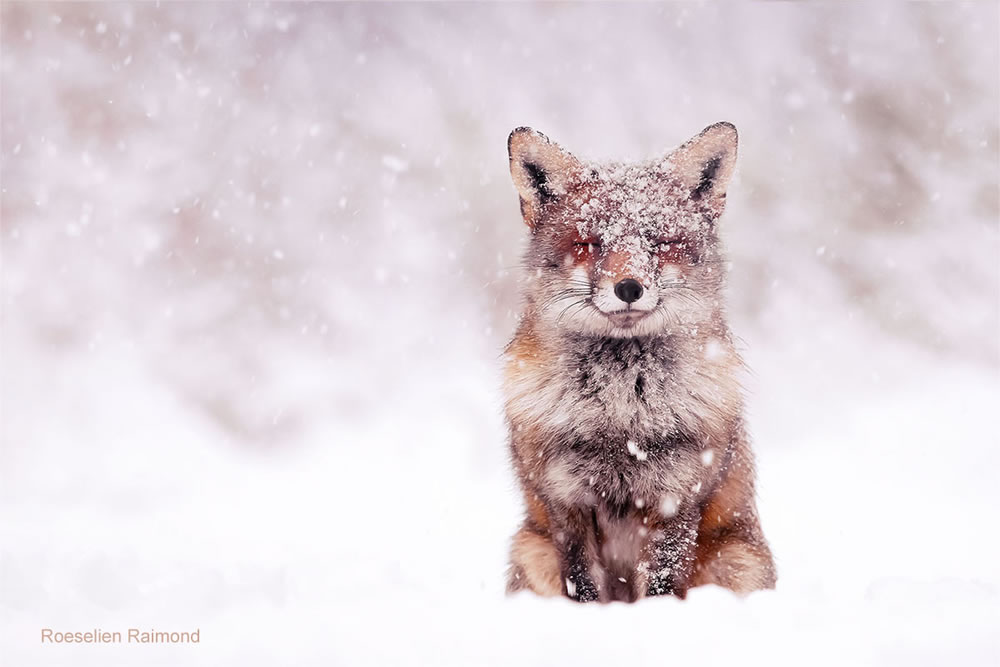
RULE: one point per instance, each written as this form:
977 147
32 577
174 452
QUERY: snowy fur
618 410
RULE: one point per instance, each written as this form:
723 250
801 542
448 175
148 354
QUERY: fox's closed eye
677 251
674 247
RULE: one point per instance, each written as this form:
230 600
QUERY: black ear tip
722 127
514 133
524 132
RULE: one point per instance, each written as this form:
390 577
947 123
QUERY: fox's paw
580 587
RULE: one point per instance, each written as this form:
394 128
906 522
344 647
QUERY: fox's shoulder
526 353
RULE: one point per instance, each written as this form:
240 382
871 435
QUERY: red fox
622 397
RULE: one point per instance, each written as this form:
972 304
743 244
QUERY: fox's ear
541 170
705 164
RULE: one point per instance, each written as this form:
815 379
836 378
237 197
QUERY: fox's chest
612 424
615 391
634 400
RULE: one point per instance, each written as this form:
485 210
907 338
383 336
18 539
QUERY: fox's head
623 250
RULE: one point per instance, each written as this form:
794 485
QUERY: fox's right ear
540 169
705 164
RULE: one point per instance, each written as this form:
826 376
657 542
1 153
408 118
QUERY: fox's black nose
628 290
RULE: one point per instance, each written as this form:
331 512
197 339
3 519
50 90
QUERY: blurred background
260 260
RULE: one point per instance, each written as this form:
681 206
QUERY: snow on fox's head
619 249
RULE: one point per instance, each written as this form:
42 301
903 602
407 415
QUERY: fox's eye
590 246
676 251
671 247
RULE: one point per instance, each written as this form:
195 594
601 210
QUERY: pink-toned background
259 261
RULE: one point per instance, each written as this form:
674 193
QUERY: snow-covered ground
259 263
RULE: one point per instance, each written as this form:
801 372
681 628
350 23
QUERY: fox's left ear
540 169
705 164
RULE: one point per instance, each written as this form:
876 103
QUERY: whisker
577 303
563 295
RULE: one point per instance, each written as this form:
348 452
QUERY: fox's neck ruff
625 415
610 349
654 391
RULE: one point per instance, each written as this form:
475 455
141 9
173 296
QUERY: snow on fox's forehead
630 206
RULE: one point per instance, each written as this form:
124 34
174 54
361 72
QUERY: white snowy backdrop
259 262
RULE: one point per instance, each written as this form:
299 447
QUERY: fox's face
624 250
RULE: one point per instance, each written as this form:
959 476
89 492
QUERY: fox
622 385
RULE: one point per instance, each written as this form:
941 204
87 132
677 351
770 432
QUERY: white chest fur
631 421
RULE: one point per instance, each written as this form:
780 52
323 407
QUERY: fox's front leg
671 554
576 544
553 552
